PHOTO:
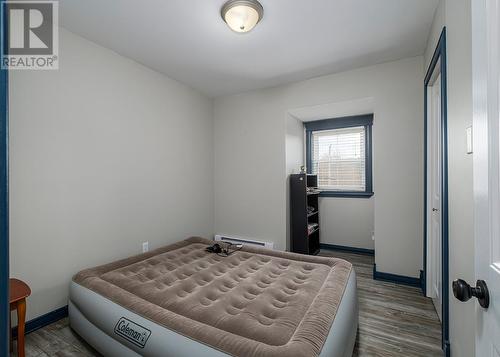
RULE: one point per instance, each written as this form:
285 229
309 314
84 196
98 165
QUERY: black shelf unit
303 239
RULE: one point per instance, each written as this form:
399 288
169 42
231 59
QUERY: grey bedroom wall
456 16
348 222
105 154
251 169
109 154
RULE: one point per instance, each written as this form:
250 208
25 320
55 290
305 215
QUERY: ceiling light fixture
242 15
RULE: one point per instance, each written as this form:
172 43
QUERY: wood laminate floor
394 320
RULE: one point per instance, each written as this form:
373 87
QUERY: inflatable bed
182 300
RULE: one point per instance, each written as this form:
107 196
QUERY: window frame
366 121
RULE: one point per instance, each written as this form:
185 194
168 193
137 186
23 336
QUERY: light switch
468 133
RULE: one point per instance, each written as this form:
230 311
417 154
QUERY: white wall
436 28
105 154
344 221
456 15
250 157
347 221
461 229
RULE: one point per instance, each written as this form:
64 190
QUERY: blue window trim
4 197
365 120
439 54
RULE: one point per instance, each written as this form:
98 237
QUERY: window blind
338 158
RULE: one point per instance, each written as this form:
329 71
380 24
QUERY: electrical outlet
145 247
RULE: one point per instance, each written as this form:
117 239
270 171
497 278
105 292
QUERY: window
339 152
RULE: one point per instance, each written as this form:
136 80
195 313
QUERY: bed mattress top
256 302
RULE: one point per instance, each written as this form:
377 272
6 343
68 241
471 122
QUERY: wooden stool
19 291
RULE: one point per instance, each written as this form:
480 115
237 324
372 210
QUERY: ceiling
188 41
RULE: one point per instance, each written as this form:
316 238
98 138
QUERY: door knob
464 292
435 209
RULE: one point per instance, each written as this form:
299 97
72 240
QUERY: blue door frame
439 56
4 200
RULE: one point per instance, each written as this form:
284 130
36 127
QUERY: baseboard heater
244 241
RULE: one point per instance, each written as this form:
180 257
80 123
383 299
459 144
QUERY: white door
434 192
486 65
